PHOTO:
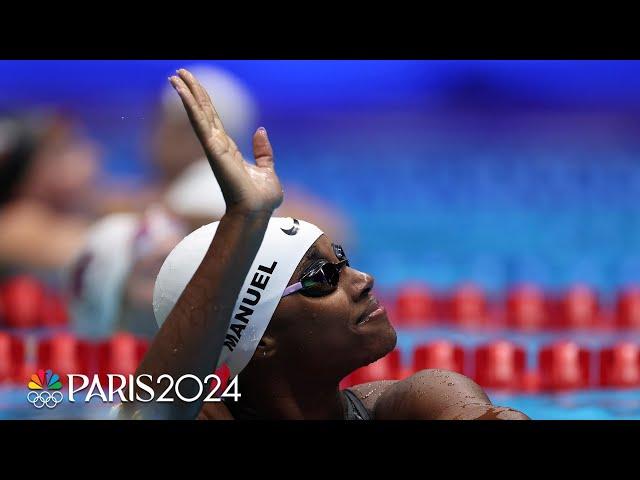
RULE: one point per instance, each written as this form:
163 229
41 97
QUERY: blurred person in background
110 282
187 184
47 171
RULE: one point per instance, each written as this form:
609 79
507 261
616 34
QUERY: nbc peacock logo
44 389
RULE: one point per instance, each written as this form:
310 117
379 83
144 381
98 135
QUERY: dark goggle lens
339 252
332 274
323 280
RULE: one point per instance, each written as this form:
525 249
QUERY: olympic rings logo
40 385
40 399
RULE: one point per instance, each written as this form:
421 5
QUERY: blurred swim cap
98 275
196 193
285 243
232 99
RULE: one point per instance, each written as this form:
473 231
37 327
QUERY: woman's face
334 333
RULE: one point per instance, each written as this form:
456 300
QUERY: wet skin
313 342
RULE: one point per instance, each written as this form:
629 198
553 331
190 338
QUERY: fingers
262 151
204 101
202 97
196 114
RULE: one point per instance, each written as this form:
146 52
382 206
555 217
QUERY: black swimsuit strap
355 408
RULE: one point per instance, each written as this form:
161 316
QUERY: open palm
247 187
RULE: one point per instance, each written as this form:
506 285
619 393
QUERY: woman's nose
359 283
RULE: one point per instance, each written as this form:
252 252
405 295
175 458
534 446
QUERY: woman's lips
373 311
378 312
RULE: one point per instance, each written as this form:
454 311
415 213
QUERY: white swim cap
285 243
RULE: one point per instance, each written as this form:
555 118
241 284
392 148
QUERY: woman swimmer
276 299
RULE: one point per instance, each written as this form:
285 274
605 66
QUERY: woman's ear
266 348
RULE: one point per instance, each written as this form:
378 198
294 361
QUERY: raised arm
191 338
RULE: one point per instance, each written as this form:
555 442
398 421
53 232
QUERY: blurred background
495 202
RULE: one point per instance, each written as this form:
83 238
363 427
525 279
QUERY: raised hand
247 188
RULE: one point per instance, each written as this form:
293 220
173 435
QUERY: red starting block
578 308
564 366
414 305
526 308
440 354
620 366
60 354
500 365
11 358
22 299
468 306
628 308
